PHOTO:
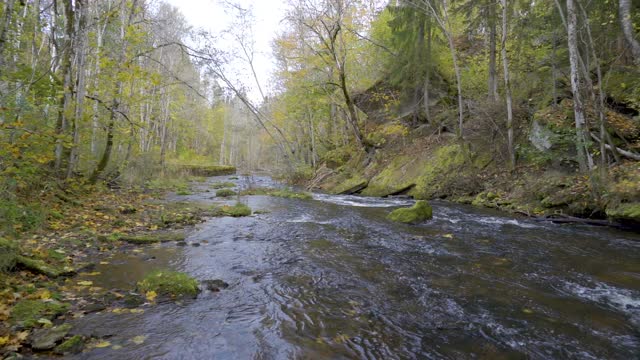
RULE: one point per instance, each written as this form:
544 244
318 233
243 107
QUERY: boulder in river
420 211
215 285
169 283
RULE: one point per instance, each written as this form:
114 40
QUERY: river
331 278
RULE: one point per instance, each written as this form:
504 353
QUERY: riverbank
439 167
46 274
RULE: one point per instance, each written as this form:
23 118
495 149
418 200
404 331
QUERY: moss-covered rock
398 176
46 339
26 313
73 345
439 171
625 212
8 254
225 193
143 239
41 267
169 283
237 210
350 186
419 212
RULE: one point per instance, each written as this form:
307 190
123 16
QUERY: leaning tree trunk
578 107
627 28
493 74
507 86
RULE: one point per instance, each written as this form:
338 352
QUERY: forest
530 108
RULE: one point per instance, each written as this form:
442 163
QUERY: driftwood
566 219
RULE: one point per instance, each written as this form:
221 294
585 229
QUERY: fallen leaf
138 339
151 295
85 283
102 344
448 236
95 273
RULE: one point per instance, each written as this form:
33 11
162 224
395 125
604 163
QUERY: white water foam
308 219
626 301
359 201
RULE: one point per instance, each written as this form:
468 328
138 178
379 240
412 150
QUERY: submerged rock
46 339
420 211
72 345
214 285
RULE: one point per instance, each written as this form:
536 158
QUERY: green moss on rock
419 212
26 313
436 171
225 193
73 345
350 186
153 238
41 267
237 210
625 212
170 283
398 176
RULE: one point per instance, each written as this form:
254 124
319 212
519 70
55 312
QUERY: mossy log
143 239
41 267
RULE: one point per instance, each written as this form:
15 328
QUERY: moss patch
350 186
222 185
40 267
73 345
237 210
437 171
207 170
153 238
420 211
27 312
400 174
625 212
225 193
170 283
8 254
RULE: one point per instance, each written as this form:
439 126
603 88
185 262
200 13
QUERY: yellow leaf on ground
95 273
104 263
4 340
151 295
138 339
102 344
85 283
448 236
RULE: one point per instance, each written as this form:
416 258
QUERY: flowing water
331 278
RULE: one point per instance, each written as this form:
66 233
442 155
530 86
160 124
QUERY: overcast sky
210 15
